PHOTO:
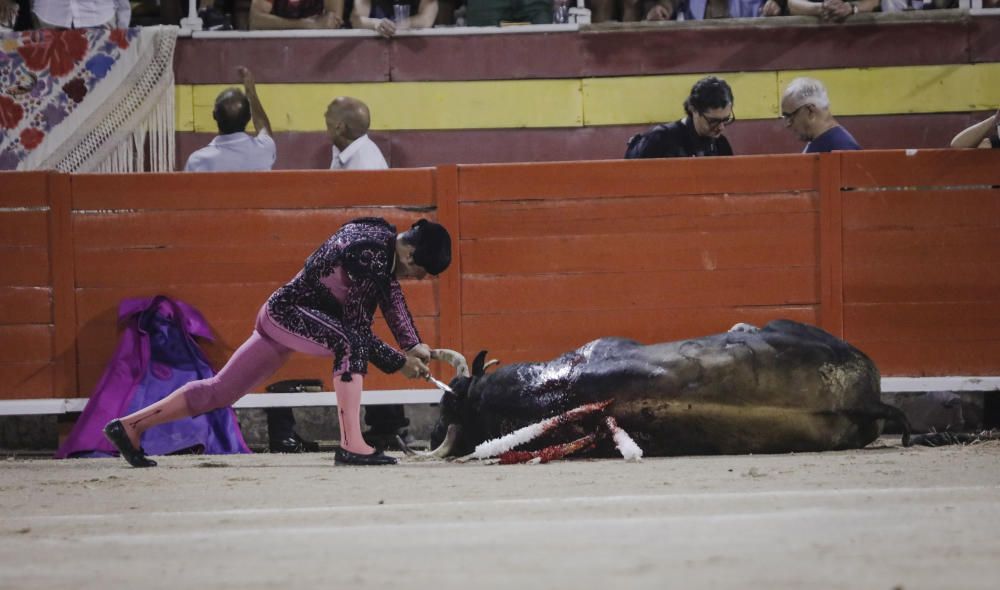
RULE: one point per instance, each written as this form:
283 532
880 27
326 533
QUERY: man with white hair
805 109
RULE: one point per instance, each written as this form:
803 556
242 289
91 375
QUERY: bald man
234 150
347 121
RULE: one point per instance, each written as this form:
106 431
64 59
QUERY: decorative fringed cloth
87 100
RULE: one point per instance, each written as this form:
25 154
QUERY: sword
439 384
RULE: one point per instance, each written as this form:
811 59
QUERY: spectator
81 14
347 121
709 110
979 135
292 14
233 149
805 109
489 13
831 10
710 9
380 15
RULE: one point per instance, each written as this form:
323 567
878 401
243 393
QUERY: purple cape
156 355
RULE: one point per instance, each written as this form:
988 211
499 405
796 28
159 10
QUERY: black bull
786 387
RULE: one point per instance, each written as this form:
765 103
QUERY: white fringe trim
142 108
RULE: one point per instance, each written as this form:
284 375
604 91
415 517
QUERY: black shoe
344 457
115 432
293 444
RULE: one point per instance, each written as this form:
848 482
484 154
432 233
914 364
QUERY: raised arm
257 113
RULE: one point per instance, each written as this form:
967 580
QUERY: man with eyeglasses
709 110
805 109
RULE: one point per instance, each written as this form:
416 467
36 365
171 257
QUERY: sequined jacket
365 248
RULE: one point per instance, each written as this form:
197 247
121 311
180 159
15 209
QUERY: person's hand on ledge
659 12
837 10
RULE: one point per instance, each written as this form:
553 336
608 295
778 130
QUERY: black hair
232 111
431 245
708 93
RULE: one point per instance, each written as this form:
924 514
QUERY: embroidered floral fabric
44 76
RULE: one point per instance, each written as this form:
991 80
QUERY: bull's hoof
115 432
345 457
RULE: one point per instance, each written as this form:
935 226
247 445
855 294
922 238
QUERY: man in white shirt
82 14
347 121
234 150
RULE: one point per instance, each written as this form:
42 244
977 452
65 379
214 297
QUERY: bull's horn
453 358
490 364
448 444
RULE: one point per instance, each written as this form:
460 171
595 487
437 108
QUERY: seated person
296 14
710 9
709 110
836 11
979 135
489 13
423 14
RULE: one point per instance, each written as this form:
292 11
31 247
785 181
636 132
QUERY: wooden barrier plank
258 229
28 227
931 246
26 343
941 322
450 282
649 290
24 266
232 302
25 305
62 265
923 168
24 189
831 248
738 248
918 282
634 215
607 179
566 330
27 380
917 359
923 209
228 190
97 341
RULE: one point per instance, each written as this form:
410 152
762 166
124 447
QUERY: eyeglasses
717 121
789 116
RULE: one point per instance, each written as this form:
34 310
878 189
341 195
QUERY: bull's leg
550 453
497 446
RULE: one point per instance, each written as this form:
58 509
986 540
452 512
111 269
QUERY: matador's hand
415 368
421 351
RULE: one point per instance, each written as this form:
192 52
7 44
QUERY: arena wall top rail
896 251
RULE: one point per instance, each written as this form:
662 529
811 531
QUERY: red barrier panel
898 252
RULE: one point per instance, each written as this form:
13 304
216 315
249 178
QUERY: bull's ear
478 364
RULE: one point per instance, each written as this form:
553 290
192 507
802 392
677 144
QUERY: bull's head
446 438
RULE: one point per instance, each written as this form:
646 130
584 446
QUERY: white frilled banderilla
503 447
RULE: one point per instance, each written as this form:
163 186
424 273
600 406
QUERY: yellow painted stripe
506 104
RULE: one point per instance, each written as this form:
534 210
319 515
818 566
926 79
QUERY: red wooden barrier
896 252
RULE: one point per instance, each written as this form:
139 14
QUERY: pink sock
349 412
173 407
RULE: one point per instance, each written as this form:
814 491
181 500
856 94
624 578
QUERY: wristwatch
854 8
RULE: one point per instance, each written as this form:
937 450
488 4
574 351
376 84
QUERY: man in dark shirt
805 109
709 110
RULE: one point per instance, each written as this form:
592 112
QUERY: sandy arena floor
884 517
